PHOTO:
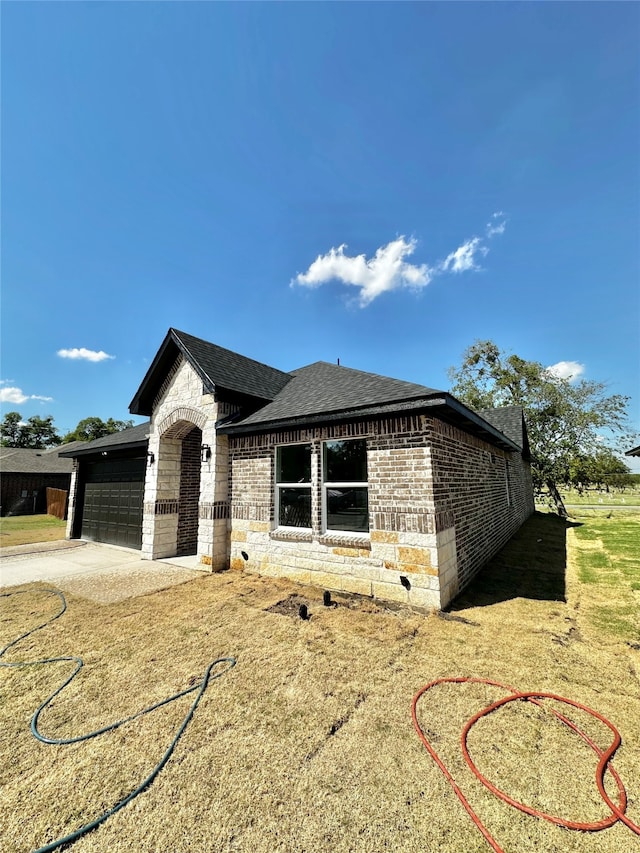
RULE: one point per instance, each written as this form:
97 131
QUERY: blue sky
382 183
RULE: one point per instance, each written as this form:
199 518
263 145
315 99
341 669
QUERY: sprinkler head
303 612
326 598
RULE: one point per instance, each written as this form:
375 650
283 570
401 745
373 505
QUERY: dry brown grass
307 744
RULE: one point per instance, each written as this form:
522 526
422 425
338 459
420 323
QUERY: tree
89 429
603 469
36 432
565 419
11 430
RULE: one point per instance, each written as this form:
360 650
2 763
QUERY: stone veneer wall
438 510
180 406
73 499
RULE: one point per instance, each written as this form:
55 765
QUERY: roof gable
510 421
217 367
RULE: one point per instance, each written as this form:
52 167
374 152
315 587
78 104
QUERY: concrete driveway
103 573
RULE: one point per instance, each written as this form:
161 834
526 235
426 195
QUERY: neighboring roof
126 439
635 451
218 368
23 460
510 421
322 388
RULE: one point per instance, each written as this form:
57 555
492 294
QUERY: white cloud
464 257
492 229
570 370
17 395
496 225
386 270
85 354
12 395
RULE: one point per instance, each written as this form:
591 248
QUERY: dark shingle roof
70 445
322 388
510 421
319 392
218 368
127 438
227 369
22 460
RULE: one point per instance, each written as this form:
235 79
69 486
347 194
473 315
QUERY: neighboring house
326 475
26 474
635 451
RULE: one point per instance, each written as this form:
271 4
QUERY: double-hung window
293 485
345 492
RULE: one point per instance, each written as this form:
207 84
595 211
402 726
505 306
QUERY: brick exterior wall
439 508
188 515
441 502
472 491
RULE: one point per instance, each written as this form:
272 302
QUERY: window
293 485
345 493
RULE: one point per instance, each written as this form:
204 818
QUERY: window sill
344 539
332 538
292 534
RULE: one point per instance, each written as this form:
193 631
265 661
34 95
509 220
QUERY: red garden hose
604 758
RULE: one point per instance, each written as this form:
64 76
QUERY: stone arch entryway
173 489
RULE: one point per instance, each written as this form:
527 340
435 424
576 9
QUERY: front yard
307 744
27 529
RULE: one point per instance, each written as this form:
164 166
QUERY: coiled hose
604 758
198 688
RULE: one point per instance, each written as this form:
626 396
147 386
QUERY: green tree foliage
36 432
11 430
603 469
570 424
89 429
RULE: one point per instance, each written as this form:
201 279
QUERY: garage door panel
113 498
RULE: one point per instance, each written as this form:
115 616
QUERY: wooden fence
57 502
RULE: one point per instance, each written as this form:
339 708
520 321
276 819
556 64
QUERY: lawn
597 497
607 555
27 529
307 744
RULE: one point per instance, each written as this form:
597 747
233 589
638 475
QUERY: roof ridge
226 349
365 373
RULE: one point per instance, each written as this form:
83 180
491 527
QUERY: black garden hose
198 688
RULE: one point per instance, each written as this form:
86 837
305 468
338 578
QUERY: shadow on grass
531 565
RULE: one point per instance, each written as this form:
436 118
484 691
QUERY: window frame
326 484
279 485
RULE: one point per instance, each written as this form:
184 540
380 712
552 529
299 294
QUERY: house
326 475
26 474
